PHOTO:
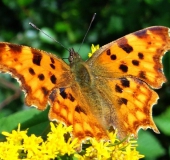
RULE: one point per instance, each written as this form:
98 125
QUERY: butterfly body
112 88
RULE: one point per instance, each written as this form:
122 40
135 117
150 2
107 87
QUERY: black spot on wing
80 109
41 77
52 66
52 60
123 43
31 71
122 101
127 48
135 62
63 94
123 67
113 57
71 98
118 89
142 74
45 91
125 82
53 79
108 52
15 48
37 56
140 55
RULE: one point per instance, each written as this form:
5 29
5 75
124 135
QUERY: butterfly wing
37 71
124 70
131 102
138 55
70 107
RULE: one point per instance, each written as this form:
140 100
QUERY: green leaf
23 3
149 146
163 122
37 121
61 26
166 62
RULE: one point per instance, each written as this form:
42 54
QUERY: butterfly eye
70 58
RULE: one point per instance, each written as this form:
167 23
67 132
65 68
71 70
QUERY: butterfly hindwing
131 104
71 108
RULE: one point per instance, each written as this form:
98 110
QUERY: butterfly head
73 56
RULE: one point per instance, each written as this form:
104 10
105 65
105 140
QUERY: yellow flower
19 145
99 150
15 136
31 145
8 151
113 149
112 136
56 140
131 153
93 49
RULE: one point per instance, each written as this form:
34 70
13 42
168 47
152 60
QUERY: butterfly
111 88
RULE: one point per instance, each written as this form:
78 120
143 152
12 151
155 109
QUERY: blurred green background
67 21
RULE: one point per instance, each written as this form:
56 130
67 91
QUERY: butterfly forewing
138 54
37 71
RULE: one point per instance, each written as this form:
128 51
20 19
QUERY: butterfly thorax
79 69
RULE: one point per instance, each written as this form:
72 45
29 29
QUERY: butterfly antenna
94 15
34 26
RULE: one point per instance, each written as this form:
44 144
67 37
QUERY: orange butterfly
112 88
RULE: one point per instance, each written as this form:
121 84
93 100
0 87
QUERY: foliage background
67 21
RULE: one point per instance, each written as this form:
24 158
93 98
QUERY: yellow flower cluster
112 150
19 145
